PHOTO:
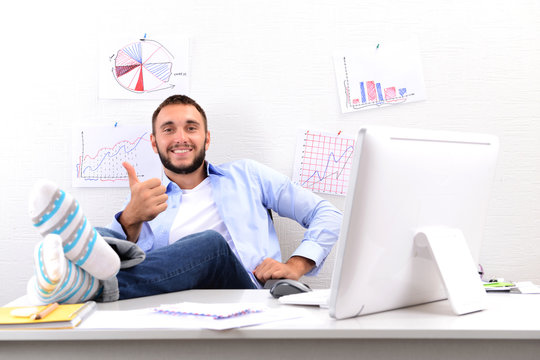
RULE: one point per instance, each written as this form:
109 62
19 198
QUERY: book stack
54 316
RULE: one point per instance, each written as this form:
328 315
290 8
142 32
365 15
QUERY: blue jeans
200 261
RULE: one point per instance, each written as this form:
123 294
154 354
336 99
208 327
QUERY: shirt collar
213 170
210 170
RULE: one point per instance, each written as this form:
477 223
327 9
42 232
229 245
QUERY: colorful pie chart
143 66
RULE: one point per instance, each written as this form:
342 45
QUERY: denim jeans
199 261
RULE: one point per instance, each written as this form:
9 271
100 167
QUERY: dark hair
179 99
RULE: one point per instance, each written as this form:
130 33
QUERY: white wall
263 69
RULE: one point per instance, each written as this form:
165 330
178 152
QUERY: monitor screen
404 184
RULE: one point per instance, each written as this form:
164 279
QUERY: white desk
510 328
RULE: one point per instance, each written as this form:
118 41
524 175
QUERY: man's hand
293 269
148 200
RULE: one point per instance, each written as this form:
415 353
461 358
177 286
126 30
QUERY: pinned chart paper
99 151
143 68
323 161
379 75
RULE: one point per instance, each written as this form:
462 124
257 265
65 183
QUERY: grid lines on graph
106 163
326 163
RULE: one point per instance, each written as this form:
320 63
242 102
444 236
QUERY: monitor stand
456 266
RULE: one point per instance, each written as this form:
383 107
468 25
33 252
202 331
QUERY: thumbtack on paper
378 46
339 133
115 124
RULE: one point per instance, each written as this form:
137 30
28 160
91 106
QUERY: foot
54 211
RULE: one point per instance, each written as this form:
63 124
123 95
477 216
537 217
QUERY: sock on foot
49 262
57 279
54 211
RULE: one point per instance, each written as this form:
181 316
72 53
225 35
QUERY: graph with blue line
102 150
323 162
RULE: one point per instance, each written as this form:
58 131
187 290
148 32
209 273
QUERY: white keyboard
316 297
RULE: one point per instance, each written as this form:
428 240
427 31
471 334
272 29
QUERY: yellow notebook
65 316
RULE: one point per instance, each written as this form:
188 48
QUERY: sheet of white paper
216 310
150 319
379 75
527 287
143 68
323 161
98 153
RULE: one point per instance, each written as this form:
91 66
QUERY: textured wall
262 70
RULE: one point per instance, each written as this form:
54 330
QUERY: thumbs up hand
148 200
132 174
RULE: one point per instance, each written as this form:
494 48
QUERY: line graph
323 162
102 150
107 158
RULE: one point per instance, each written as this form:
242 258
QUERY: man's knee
211 238
205 240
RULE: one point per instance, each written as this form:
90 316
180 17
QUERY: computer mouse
287 287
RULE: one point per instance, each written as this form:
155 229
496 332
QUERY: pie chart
143 66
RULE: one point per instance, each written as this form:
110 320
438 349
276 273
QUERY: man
200 203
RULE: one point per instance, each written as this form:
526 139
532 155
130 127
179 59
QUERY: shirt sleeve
146 238
321 219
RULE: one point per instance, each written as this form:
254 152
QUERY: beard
185 169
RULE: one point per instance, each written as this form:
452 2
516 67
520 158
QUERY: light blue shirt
243 191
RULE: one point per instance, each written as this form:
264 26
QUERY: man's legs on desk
67 270
199 261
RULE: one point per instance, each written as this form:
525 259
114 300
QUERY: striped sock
54 211
57 279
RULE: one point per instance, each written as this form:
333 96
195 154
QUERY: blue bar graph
363 92
379 92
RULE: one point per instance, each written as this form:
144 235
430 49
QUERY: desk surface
509 316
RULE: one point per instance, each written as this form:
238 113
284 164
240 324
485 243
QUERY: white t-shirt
198 212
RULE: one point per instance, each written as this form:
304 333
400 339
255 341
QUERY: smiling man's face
180 138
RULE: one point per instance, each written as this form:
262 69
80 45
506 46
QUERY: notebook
66 316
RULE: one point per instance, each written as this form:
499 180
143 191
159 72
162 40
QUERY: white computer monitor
413 221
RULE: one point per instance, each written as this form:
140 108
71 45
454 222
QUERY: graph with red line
100 151
323 162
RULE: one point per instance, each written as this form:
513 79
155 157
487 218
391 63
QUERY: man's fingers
161 199
269 269
161 207
154 184
132 174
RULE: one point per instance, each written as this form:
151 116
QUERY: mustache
177 146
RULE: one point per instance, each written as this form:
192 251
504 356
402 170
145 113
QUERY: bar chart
380 76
